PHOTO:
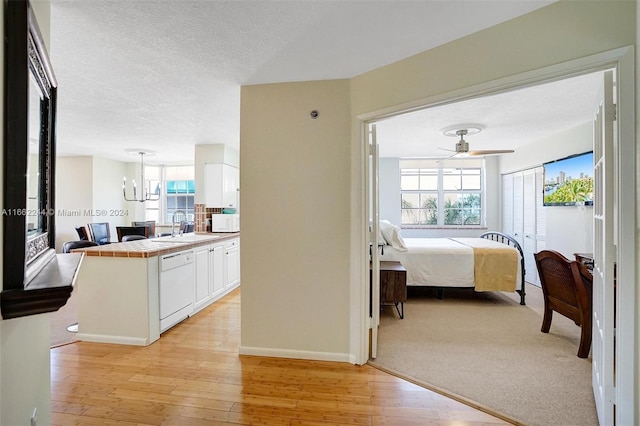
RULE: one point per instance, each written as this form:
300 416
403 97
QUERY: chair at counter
99 232
70 245
132 230
133 237
82 233
151 224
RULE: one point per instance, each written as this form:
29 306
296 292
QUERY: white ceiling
165 75
509 120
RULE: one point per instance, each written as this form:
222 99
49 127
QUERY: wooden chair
567 287
132 230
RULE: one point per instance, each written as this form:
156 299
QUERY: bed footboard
510 241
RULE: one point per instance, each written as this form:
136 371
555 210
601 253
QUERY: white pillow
381 239
391 234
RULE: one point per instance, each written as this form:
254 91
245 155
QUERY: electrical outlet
34 417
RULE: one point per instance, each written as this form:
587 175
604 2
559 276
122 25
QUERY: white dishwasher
176 288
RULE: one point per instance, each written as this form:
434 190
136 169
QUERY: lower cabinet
217 271
202 290
232 254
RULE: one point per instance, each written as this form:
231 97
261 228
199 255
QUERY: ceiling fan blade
445 149
447 158
491 152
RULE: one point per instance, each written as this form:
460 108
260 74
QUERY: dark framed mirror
29 170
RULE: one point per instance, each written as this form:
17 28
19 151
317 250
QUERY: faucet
181 215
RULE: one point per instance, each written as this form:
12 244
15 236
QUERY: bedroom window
440 196
178 192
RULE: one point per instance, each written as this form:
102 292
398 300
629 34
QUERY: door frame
623 61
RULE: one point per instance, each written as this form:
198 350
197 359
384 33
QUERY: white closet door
518 206
529 224
507 204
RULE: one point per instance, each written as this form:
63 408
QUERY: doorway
622 61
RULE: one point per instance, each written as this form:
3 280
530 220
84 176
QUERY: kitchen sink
184 238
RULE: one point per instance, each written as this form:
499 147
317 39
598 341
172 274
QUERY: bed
492 262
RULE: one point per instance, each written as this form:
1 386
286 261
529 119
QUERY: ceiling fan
462 146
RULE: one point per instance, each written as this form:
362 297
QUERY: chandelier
147 194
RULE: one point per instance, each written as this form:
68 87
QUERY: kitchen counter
156 246
120 285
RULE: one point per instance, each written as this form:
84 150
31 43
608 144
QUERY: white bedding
435 262
440 262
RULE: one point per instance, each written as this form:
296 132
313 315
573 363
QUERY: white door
507 204
518 208
529 224
374 214
604 255
541 221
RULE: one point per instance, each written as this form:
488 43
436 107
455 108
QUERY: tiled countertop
156 246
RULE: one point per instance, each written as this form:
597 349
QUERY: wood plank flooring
194 376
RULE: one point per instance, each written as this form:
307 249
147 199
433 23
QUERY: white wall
24 342
569 229
89 189
74 195
389 190
572 141
108 202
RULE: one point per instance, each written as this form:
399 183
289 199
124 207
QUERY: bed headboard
510 241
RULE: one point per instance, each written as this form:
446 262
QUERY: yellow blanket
495 265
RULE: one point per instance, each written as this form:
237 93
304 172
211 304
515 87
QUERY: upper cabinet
222 185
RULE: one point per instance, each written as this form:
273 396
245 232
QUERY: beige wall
295 219
281 264
557 33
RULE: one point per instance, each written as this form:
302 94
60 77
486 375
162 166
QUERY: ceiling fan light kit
462 146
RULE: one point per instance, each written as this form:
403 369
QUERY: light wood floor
193 375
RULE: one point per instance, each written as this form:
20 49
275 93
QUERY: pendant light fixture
146 194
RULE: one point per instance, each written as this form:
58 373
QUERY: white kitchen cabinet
202 288
216 270
232 260
221 185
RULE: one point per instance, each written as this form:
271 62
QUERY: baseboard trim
120 340
297 354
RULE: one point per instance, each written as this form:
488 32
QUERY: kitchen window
177 189
441 195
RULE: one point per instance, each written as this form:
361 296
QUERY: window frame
440 192
163 208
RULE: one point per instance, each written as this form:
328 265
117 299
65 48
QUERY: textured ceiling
165 75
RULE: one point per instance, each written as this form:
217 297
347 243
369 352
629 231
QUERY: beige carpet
63 318
487 348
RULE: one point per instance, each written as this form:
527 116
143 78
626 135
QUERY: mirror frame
23 258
